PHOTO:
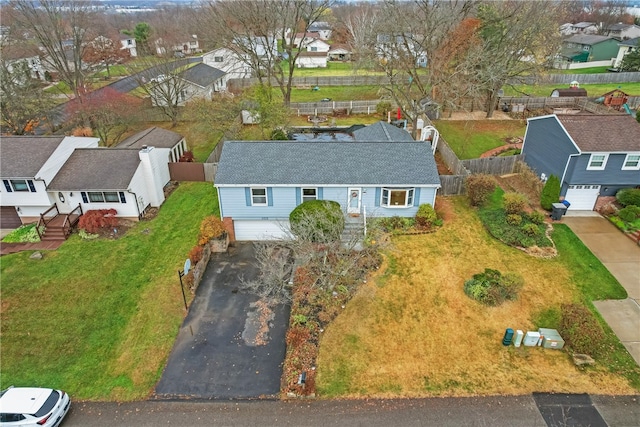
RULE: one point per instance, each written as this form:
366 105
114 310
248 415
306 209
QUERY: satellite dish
187 266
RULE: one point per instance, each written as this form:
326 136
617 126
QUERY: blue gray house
593 155
259 183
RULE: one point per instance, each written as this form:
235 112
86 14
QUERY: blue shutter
416 197
320 196
123 199
32 187
298 196
377 201
269 196
7 185
247 196
84 197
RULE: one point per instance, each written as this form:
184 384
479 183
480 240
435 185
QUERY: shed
556 93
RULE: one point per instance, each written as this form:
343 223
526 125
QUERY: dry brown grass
411 330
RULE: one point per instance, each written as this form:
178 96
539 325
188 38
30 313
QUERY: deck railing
45 218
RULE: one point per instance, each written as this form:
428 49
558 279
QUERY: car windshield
49 404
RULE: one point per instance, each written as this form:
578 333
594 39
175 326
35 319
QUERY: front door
353 206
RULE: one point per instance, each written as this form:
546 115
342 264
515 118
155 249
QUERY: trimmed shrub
514 203
628 196
550 192
580 330
195 254
629 213
531 230
478 188
97 220
211 227
536 217
426 216
318 221
383 108
514 219
492 287
279 135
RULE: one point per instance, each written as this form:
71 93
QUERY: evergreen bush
550 192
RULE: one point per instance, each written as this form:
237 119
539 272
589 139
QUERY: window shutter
269 196
416 197
377 201
32 187
84 197
320 196
7 185
247 196
123 199
298 196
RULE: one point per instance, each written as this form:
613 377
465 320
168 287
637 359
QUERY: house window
25 185
103 197
259 196
314 49
397 197
585 48
631 162
309 194
218 59
597 161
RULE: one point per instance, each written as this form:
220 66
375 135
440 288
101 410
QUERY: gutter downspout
566 166
135 197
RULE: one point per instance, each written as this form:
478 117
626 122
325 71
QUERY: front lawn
412 331
470 138
98 318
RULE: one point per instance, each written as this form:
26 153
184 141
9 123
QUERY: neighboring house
624 48
128 43
261 45
13 54
317 45
259 183
593 155
339 52
584 28
322 28
172 144
392 46
28 165
228 61
311 60
588 48
300 40
622 31
198 82
187 47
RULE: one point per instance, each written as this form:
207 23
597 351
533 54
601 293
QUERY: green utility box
551 338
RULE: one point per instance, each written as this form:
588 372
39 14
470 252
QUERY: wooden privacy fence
581 103
493 165
191 171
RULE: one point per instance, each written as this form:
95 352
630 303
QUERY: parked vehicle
31 406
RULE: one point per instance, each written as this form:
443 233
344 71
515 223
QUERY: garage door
261 230
582 197
9 218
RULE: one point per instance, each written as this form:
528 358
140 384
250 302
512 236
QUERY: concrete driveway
621 256
230 346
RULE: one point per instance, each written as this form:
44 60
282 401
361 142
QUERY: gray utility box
557 210
551 338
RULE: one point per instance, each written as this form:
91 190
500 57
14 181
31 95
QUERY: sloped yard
411 330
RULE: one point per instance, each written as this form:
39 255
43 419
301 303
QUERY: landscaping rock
583 359
36 255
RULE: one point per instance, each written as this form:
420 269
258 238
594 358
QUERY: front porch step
53 234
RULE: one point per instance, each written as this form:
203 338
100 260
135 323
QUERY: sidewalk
621 256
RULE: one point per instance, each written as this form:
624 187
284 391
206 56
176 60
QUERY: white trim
598 168
266 196
406 197
315 196
631 168
350 192
390 185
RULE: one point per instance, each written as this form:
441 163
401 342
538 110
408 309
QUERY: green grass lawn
98 318
593 90
469 139
335 69
590 70
336 93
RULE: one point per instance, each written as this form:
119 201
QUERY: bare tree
361 24
263 34
62 29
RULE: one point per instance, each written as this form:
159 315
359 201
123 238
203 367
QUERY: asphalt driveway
230 346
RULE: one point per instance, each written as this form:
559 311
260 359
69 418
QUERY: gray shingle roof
607 133
97 169
152 137
202 75
326 163
24 156
630 42
382 131
587 39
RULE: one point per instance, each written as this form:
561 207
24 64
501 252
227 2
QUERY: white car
29 406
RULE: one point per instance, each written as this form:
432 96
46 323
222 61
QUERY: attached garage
582 197
261 230
9 218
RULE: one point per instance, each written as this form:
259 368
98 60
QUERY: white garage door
261 230
582 197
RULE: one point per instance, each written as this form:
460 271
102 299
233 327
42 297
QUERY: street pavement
498 411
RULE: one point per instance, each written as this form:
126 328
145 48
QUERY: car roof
23 400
